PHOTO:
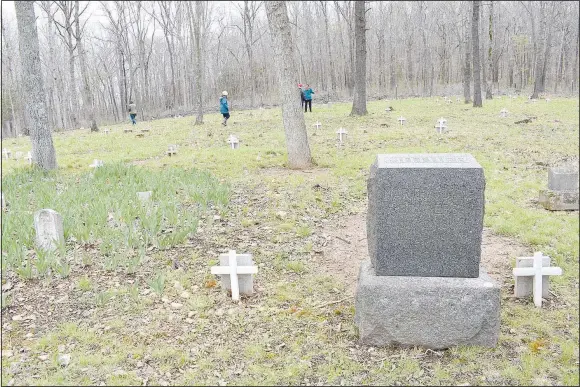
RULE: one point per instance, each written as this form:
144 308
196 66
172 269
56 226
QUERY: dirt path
347 247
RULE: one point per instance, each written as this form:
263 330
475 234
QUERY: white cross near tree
317 124
402 120
341 133
537 271
233 141
233 270
7 153
504 112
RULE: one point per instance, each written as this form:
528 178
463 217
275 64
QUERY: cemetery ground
130 299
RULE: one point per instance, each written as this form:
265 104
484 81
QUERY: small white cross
29 157
388 109
504 112
449 101
106 131
341 132
440 127
458 99
547 99
233 270
402 120
442 121
7 153
233 141
317 124
537 271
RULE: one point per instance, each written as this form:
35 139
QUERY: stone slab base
559 200
431 312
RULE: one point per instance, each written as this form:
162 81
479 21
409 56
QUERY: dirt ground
347 247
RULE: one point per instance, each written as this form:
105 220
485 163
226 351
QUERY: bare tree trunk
476 57
292 115
199 65
332 86
359 104
43 153
87 95
575 69
489 82
467 66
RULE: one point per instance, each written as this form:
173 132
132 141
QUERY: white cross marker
441 125
171 150
341 132
504 112
233 141
317 124
7 153
96 163
233 270
458 99
106 131
402 120
547 99
29 158
537 271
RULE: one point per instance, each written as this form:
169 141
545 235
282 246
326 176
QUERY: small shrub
84 284
157 284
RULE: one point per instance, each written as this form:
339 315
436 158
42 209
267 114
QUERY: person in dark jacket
224 109
308 98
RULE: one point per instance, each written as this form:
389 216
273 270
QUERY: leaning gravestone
562 192
238 269
423 284
49 230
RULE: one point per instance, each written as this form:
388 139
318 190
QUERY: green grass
281 336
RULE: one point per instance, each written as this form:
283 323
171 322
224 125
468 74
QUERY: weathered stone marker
423 284
539 272
7 153
127 130
503 113
97 163
105 131
29 157
440 127
402 120
562 193
49 230
236 273
171 150
317 125
144 196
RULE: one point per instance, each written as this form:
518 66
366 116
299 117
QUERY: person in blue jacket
224 109
308 98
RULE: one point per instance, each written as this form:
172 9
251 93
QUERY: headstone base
559 200
245 281
431 312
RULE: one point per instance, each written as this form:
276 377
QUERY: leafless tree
359 104
476 57
36 118
292 115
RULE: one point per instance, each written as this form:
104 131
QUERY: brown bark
292 115
43 153
476 57
359 104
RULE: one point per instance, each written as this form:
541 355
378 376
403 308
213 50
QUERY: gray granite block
524 285
431 312
559 200
245 281
425 215
563 179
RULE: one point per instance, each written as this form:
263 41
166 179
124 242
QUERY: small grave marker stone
503 113
105 131
29 157
171 150
389 109
458 99
145 130
537 272
233 141
127 130
441 127
7 153
342 133
317 125
97 163
49 230
144 196
562 193
547 99
402 120
238 279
